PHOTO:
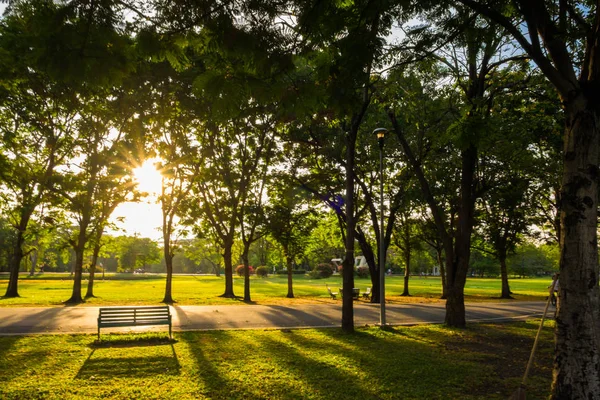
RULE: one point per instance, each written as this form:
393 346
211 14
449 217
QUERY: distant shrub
322 271
240 269
362 272
262 271
294 271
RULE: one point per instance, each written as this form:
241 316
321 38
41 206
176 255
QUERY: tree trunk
168 299
15 262
90 287
78 274
228 244
406 274
442 273
367 251
504 274
290 274
246 263
577 352
34 257
457 270
348 263
78 270
455 307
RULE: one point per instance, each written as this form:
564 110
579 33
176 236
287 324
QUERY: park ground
128 289
483 361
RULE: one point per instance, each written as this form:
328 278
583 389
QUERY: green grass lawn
53 289
485 361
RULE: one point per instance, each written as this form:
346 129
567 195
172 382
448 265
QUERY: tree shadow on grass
125 358
211 376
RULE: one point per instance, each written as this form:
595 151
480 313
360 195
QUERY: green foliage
239 270
362 272
262 271
323 270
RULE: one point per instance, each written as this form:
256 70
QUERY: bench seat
112 317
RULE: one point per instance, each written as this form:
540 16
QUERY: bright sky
143 218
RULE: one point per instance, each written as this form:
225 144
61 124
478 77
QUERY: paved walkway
52 320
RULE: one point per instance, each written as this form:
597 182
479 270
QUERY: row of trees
251 106
52 253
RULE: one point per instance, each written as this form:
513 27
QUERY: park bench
111 317
332 294
367 294
355 293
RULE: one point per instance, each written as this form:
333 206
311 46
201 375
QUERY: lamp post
380 133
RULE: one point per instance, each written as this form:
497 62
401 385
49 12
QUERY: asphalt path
83 319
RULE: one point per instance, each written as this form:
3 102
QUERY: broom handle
537 336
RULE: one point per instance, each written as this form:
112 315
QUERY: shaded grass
53 289
424 362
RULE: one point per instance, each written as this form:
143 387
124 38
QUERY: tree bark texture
348 263
577 353
457 270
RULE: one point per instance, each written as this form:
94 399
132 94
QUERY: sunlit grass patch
423 362
203 290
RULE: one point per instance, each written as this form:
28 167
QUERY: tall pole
380 132
381 240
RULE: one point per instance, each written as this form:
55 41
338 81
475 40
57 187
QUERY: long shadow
6 344
43 320
207 372
113 361
318 370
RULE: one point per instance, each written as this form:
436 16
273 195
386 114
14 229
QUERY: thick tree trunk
577 353
455 307
348 263
228 269
290 274
504 275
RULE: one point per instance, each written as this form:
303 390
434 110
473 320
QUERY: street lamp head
380 132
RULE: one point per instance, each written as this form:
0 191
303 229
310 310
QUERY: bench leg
170 335
98 333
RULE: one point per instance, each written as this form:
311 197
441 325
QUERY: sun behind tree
148 177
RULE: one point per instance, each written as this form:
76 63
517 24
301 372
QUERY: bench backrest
136 315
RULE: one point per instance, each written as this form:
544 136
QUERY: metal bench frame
111 317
